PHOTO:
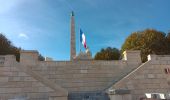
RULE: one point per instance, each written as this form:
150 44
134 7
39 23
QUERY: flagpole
79 41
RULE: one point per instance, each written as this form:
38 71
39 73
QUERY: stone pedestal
133 58
29 57
84 56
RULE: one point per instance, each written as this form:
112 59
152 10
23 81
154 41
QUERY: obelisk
73 41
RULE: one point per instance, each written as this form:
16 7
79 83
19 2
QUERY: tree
149 41
168 37
168 42
6 47
108 54
40 57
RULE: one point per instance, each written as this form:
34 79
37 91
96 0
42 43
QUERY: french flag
83 39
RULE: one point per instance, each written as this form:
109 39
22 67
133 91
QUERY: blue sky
44 25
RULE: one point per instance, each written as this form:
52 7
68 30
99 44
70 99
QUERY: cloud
23 35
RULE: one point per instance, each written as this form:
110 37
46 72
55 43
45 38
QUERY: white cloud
23 35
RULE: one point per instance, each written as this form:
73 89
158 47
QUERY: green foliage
148 41
108 54
40 57
6 47
168 38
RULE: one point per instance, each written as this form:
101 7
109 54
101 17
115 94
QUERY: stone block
57 98
29 79
131 87
165 58
120 97
5 69
140 86
144 72
14 69
28 89
44 89
51 72
163 62
15 78
83 71
4 73
22 74
157 71
3 79
15 73
159 80
160 76
37 84
10 90
139 77
150 76
51 76
155 62
164 85
152 86
27 84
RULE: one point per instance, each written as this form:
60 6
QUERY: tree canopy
108 54
7 48
149 41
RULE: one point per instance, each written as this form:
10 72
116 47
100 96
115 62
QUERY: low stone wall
148 78
85 75
120 97
82 75
16 82
43 80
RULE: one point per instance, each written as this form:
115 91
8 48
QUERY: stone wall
31 79
150 77
19 82
52 80
120 97
82 75
86 75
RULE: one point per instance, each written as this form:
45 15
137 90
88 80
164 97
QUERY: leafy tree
6 47
108 54
168 42
168 37
40 57
149 41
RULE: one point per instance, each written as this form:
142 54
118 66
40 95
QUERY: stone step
88 96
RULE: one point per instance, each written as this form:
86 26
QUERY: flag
83 39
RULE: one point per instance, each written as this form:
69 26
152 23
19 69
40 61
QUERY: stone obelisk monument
73 41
